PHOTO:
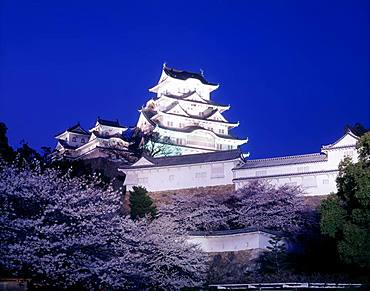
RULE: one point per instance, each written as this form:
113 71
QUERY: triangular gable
176 109
143 161
217 116
347 140
195 97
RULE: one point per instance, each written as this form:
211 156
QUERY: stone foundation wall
165 196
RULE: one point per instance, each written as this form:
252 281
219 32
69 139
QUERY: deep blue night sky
294 72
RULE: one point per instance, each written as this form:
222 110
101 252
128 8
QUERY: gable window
82 140
74 139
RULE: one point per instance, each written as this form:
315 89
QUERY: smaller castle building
105 139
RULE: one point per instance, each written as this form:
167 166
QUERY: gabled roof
148 114
210 102
188 159
282 161
112 123
173 105
104 136
184 75
65 145
347 140
203 118
75 129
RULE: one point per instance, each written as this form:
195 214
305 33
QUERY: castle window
82 140
219 146
229 147
200 175
221 131
74 139
309 181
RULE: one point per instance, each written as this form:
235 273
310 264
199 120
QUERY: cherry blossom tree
69 232
263 205
198 212
257 205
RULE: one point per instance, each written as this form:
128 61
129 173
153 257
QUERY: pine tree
141 204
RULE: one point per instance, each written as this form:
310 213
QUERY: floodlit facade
315 173
184 112
103 140
183 172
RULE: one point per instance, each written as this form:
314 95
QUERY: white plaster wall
301 174
232 242
180 177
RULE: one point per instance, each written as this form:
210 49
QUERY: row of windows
74 139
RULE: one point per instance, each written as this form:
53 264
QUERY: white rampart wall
181 176
316 178
232 242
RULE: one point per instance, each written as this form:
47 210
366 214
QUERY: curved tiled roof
75 129
232 231
192 159
287 160
112 123
189 129
184 75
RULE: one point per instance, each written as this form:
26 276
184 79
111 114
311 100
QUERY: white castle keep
184 112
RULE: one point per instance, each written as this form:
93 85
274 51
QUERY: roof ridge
190 155
285 157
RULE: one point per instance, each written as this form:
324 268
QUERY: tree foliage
345 215
156 145
6 151
275 259
257 205
141 204
66 232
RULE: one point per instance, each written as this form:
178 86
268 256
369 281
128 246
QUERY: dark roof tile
112 123
184 75
282 161
192 159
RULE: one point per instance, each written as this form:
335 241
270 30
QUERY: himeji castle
184 112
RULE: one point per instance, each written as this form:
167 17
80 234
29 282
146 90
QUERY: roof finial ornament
164 65
201 72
